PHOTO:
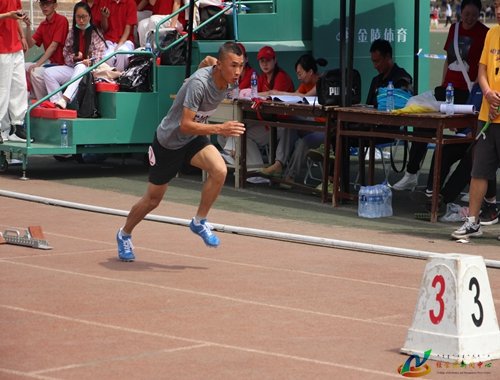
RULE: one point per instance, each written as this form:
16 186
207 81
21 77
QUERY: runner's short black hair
229 47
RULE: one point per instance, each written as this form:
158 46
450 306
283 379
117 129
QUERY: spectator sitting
389 71
306 69
118 18
246 74
144 11
272 78
83 45
160 10
51 33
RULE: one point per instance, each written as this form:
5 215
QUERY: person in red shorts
13 90
51 34
118 19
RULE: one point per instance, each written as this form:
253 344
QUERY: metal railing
65 85
234 5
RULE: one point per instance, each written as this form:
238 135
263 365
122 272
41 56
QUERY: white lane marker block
455 315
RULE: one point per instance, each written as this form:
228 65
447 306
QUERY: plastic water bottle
148 47
64 135
253 85
450 95
389 105
372 202
362 202
387 208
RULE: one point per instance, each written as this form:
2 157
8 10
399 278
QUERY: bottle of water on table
450 94
253 85
389 105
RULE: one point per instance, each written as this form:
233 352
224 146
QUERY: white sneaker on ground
468 229
408 182
465 198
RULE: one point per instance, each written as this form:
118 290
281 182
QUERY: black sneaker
468 229
488 214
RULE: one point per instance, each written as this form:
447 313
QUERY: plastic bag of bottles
375 201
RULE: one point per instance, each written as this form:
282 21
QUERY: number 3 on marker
477 321
435 319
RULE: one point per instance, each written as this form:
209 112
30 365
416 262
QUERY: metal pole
350 51
342 50
235 20
416 43
265 234
190 39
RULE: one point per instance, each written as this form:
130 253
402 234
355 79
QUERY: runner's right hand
232 128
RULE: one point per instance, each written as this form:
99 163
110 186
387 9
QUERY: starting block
32 237
455 315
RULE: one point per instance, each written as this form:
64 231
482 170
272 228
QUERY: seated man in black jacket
381 55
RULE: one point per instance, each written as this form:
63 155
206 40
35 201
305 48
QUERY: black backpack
328 87
85 101
176 55
138 77
216 29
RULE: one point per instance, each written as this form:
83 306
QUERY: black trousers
461 175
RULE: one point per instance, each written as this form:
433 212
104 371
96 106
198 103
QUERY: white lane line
237 263
385 317
211 295
25 374
197 341
94 363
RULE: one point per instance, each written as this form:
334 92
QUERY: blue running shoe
204 230
125 247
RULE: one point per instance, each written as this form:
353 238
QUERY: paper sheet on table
459 108
286 98
295 99
246 93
